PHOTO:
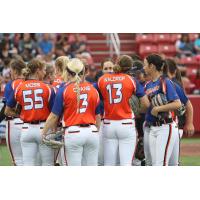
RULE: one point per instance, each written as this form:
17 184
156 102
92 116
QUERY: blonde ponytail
74 67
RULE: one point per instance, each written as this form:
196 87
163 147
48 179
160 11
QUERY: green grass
190 161
5 159
190 140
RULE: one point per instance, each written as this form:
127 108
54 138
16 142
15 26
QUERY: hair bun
117 68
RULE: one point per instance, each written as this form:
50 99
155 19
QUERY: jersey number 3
36 103
84 103
110 88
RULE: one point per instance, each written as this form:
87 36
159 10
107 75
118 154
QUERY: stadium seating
144 38
146 49
168 49
189 61
164 38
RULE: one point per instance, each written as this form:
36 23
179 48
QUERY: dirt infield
190 149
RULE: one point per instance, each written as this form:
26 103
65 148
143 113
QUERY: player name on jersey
33 85
82 89
151 90
114 78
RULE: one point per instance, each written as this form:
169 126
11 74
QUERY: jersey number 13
118 88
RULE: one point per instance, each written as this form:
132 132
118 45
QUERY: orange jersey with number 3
116 90
33 96
67 99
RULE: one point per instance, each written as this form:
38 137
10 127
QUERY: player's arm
10 106
56 112
98 121
144 101
189 126
172 98
51 123
98 112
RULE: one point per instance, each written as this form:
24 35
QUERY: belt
10 118
158 123
35 122
80 125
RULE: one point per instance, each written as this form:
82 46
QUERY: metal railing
114 43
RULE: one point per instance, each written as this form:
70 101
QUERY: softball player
14 124
159 137
174 74
119 134
185 121
107 68
78 102
36 99
60 64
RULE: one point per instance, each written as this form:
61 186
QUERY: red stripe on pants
168 141
9 144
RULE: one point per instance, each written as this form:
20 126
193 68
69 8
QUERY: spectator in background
46 46
196 81
92 74
78 45
27 47
184 46
197 44
62 47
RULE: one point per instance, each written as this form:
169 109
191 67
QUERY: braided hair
76 69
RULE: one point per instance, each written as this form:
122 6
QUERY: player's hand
189 129
155 111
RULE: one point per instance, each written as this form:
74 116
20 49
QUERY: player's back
89 100
116 90
33 96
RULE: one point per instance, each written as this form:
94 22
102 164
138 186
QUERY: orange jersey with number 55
36 98
116 90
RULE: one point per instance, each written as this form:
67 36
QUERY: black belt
80 125
158 123
10 118
35 122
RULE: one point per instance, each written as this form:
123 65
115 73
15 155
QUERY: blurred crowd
44 46
50 46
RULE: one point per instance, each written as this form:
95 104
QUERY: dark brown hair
171 67
18 65
156 60
32 67
124 63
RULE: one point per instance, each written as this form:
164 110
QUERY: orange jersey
116 90
66 104
34 96
58 80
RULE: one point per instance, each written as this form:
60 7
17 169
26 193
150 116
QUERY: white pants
13 135
100 154
31 142
147 153
162 142
119 140
81 145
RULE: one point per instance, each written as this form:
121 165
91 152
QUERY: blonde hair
74 68
61 63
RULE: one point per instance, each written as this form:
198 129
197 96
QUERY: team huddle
135 111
